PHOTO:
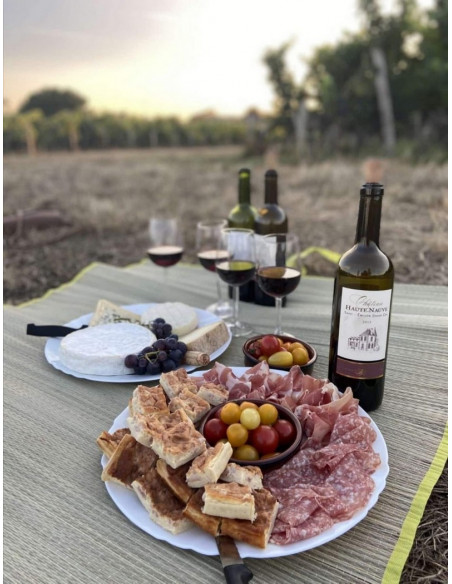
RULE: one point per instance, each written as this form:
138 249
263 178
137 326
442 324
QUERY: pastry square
229 500
208 466
194 406
148 400
129 461
174 382
108 442
214 393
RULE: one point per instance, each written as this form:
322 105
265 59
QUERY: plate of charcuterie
52 350
346 475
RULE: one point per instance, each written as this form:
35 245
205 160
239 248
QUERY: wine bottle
271 218
243 215
362 307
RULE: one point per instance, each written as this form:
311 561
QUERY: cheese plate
197 540
51 349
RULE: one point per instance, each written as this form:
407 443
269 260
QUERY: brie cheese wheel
101 349
181 317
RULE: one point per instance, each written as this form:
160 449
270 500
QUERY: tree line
380 91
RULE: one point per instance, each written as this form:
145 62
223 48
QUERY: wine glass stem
278 302
235 311
220 295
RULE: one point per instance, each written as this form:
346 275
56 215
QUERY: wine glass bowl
238 269
167 246
273 275
209 253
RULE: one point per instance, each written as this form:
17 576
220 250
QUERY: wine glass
209 252
239 268
273 275
167 245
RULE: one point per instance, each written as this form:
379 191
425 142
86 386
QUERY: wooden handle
196 358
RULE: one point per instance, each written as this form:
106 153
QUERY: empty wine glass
239 268
273 275
167 245
209 252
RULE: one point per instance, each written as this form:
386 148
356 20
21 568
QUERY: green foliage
51 101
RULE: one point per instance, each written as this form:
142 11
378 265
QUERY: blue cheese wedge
101 349
180 316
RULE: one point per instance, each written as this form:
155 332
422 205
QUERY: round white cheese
101 349
180 316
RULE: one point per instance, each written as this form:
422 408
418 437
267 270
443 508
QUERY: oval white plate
197 540
52 346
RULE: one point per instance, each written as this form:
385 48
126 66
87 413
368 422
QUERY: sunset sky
163 57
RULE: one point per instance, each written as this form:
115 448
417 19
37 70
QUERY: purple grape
168 365
139 370
131 361
162 356
176 355
153 368
166 330
182 347
171 343
142 362
159 321
159 345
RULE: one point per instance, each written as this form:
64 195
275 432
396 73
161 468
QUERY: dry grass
108 198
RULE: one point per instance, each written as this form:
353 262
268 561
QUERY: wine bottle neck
244 189
271 191
369 215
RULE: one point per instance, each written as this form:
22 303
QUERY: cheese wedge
180 316
208 338
106 312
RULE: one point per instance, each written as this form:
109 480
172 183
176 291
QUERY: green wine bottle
361 308
271 218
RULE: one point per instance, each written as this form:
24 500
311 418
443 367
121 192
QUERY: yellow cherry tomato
281 359
263 358
300 356
247 404
268 414
237 435
295 345
230 413
250 418
246 452
286 345
281 342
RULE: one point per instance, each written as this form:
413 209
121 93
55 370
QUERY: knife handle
49 330
237 574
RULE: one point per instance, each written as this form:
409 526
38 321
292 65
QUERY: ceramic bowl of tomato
268 445
272 349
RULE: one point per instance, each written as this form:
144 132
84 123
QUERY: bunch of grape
161 329
163 356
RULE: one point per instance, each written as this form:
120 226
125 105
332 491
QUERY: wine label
364 324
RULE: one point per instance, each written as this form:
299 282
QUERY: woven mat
60 524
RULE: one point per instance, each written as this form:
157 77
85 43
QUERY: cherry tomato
268 414
246 452
247 404
250 418
255 349
281 359
286 431
269 345
215 430
217 414
300 356
230 413
237 435
286 345
295 345
265 439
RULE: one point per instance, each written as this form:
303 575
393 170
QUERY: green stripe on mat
404 544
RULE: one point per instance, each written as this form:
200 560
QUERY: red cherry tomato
255 349
214 430
217 414
286 431
265 439
269 345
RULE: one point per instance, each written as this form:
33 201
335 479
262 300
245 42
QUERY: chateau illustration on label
366 341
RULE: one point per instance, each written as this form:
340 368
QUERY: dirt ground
102 201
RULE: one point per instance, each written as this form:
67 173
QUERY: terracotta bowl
283 455
307 368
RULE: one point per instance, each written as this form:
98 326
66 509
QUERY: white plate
52 347
197 540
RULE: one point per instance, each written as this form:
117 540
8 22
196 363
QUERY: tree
52 101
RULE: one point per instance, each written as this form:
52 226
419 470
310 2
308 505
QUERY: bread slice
250 476
208 466
214 393
129 461
175 479
106 312
163 506
148 400
108 442
194 406
193 511
258 532
174 382
229 500
208 338
182 318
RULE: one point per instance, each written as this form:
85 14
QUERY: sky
164 57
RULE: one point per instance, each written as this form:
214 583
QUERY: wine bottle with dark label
243 216
362 308
271 218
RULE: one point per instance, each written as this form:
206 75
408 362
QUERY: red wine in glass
210 257
165 255
236 273
278 281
